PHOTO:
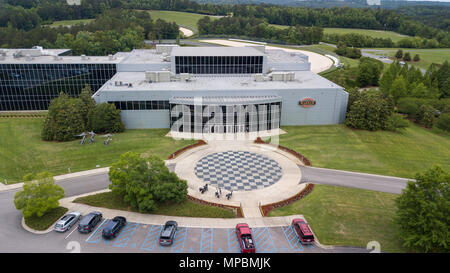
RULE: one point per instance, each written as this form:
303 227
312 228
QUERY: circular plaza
256 174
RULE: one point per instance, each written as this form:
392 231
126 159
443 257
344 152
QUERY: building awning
225 100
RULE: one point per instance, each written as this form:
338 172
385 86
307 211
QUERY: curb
39 232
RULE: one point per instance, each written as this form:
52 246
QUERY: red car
245 238
303 231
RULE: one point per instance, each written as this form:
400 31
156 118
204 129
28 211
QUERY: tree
424 212
370 111
399 54
88 103
398 88
105 118
416 58
407 57
38 197
145 183
64 119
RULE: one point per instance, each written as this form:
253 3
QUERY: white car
67 221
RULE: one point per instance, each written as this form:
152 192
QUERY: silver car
67 221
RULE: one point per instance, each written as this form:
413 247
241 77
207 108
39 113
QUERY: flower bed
184 149
237 210
294 153
265 209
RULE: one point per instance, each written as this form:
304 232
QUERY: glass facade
225 119
32 86
142 105
219 64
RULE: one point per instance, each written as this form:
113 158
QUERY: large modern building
187 89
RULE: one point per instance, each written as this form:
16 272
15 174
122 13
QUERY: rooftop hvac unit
258 77
185 77
111 57
160 49
282 76
84 57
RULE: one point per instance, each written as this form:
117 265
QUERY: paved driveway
354 180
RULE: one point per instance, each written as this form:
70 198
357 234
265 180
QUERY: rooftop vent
111 57
84 57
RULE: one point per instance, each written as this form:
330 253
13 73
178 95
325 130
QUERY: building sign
307 102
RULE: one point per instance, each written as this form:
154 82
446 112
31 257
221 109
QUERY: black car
88 222
113 227
168 233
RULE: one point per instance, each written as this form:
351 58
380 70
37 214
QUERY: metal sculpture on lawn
83 139
106 142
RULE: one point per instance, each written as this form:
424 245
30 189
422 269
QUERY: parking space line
125 235
70 233
96 235
292 238
151 239
179 240
206 240
263 240
233 243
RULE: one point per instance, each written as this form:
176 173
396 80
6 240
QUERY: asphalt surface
354 180
143 238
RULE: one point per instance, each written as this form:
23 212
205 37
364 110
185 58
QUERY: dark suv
168 233
88 222
113 227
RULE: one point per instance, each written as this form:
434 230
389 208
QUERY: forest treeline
27 15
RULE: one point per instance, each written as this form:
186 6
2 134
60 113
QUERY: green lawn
184 19
369 32
48 219
186 208
395 37
349 217
22 151
381 152
70 22
427 56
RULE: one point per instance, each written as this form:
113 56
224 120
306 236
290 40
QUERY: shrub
396 123
370 111
416 58
105 118
399 54
443 122
409 106
407 57
426 115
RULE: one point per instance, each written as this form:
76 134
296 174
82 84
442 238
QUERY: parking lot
135 237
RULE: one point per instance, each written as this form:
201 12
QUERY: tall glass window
219 64
33 86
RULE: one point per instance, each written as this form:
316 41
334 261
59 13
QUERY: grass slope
427 56
70 22
381 152
184 19
395 37
349 217
22 151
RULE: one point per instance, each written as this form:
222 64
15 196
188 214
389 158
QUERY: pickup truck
245 238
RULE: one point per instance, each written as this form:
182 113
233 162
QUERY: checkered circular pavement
238 170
